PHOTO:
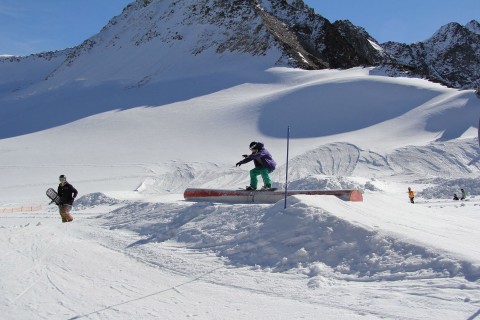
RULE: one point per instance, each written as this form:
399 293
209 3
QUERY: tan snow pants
64 210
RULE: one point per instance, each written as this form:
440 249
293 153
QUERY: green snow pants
265 177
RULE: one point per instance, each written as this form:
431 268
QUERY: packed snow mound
175 177
332 159
451 159
302 236
441 188
321 182
95 199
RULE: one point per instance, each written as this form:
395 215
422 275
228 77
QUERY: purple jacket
261 159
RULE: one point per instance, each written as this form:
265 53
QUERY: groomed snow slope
136 249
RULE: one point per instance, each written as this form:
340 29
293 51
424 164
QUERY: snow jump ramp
244 196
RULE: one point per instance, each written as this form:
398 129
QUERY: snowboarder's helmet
252 145
62 178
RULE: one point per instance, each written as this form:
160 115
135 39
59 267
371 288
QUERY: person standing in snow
455 197
67 195
264 164
464 194
411 195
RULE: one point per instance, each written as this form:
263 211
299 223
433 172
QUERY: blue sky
404 21
32 26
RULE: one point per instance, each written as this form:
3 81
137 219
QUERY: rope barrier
21 209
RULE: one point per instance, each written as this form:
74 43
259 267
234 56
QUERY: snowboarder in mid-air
67 194
264 164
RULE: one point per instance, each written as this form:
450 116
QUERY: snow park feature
245 196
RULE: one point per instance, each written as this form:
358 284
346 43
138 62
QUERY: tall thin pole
477 92
286 170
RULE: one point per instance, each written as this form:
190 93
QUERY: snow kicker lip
244 196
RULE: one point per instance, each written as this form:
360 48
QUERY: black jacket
67 193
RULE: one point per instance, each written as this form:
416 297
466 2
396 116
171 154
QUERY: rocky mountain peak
450 34
363 43
451 55
170 37
473 26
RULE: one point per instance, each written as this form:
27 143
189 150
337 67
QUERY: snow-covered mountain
151 39
451 55
152 44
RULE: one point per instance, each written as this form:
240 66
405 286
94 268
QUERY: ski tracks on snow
32 264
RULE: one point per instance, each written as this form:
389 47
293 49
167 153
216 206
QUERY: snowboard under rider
264 164
411 195
67 195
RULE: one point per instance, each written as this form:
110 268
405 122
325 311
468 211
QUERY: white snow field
137 250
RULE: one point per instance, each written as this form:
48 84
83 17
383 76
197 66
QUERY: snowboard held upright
53 195
63 209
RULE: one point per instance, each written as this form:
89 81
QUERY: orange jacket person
411 195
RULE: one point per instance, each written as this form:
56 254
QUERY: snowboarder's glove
238 164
